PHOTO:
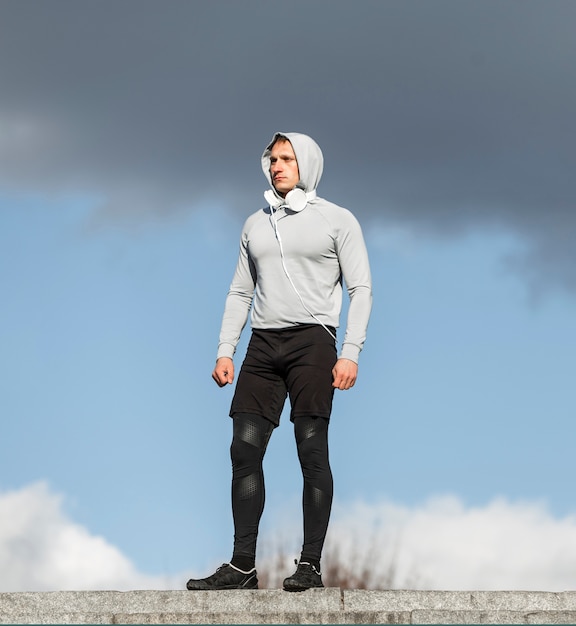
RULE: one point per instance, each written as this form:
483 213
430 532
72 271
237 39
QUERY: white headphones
296 199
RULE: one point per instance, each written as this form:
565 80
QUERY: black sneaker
305 577
226 577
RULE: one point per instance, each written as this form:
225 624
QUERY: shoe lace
305 564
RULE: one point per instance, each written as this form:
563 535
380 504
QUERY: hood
309 157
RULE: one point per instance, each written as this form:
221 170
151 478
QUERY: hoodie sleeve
355 266
238 301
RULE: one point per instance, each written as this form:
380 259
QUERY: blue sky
464 387
119 226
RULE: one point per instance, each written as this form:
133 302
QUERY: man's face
283 167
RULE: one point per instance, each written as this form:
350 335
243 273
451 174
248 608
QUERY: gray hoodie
292 262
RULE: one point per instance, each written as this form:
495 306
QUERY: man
293 257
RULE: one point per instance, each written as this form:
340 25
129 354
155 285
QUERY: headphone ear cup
296 199
270 197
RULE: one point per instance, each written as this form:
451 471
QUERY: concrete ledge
273 606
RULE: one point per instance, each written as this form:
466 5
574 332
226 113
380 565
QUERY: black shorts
296 362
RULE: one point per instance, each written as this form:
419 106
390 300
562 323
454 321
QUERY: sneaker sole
227 588
300 588
219 588
249 585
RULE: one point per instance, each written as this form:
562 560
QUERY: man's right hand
223 372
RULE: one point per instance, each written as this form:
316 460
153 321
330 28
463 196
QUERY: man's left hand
345 373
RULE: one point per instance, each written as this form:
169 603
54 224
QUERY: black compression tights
250 439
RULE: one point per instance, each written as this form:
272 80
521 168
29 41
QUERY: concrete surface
273 606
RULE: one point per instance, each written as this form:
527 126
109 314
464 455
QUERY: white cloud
442 544
439 544
42 550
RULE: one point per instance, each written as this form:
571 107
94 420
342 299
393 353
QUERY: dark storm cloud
442 116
